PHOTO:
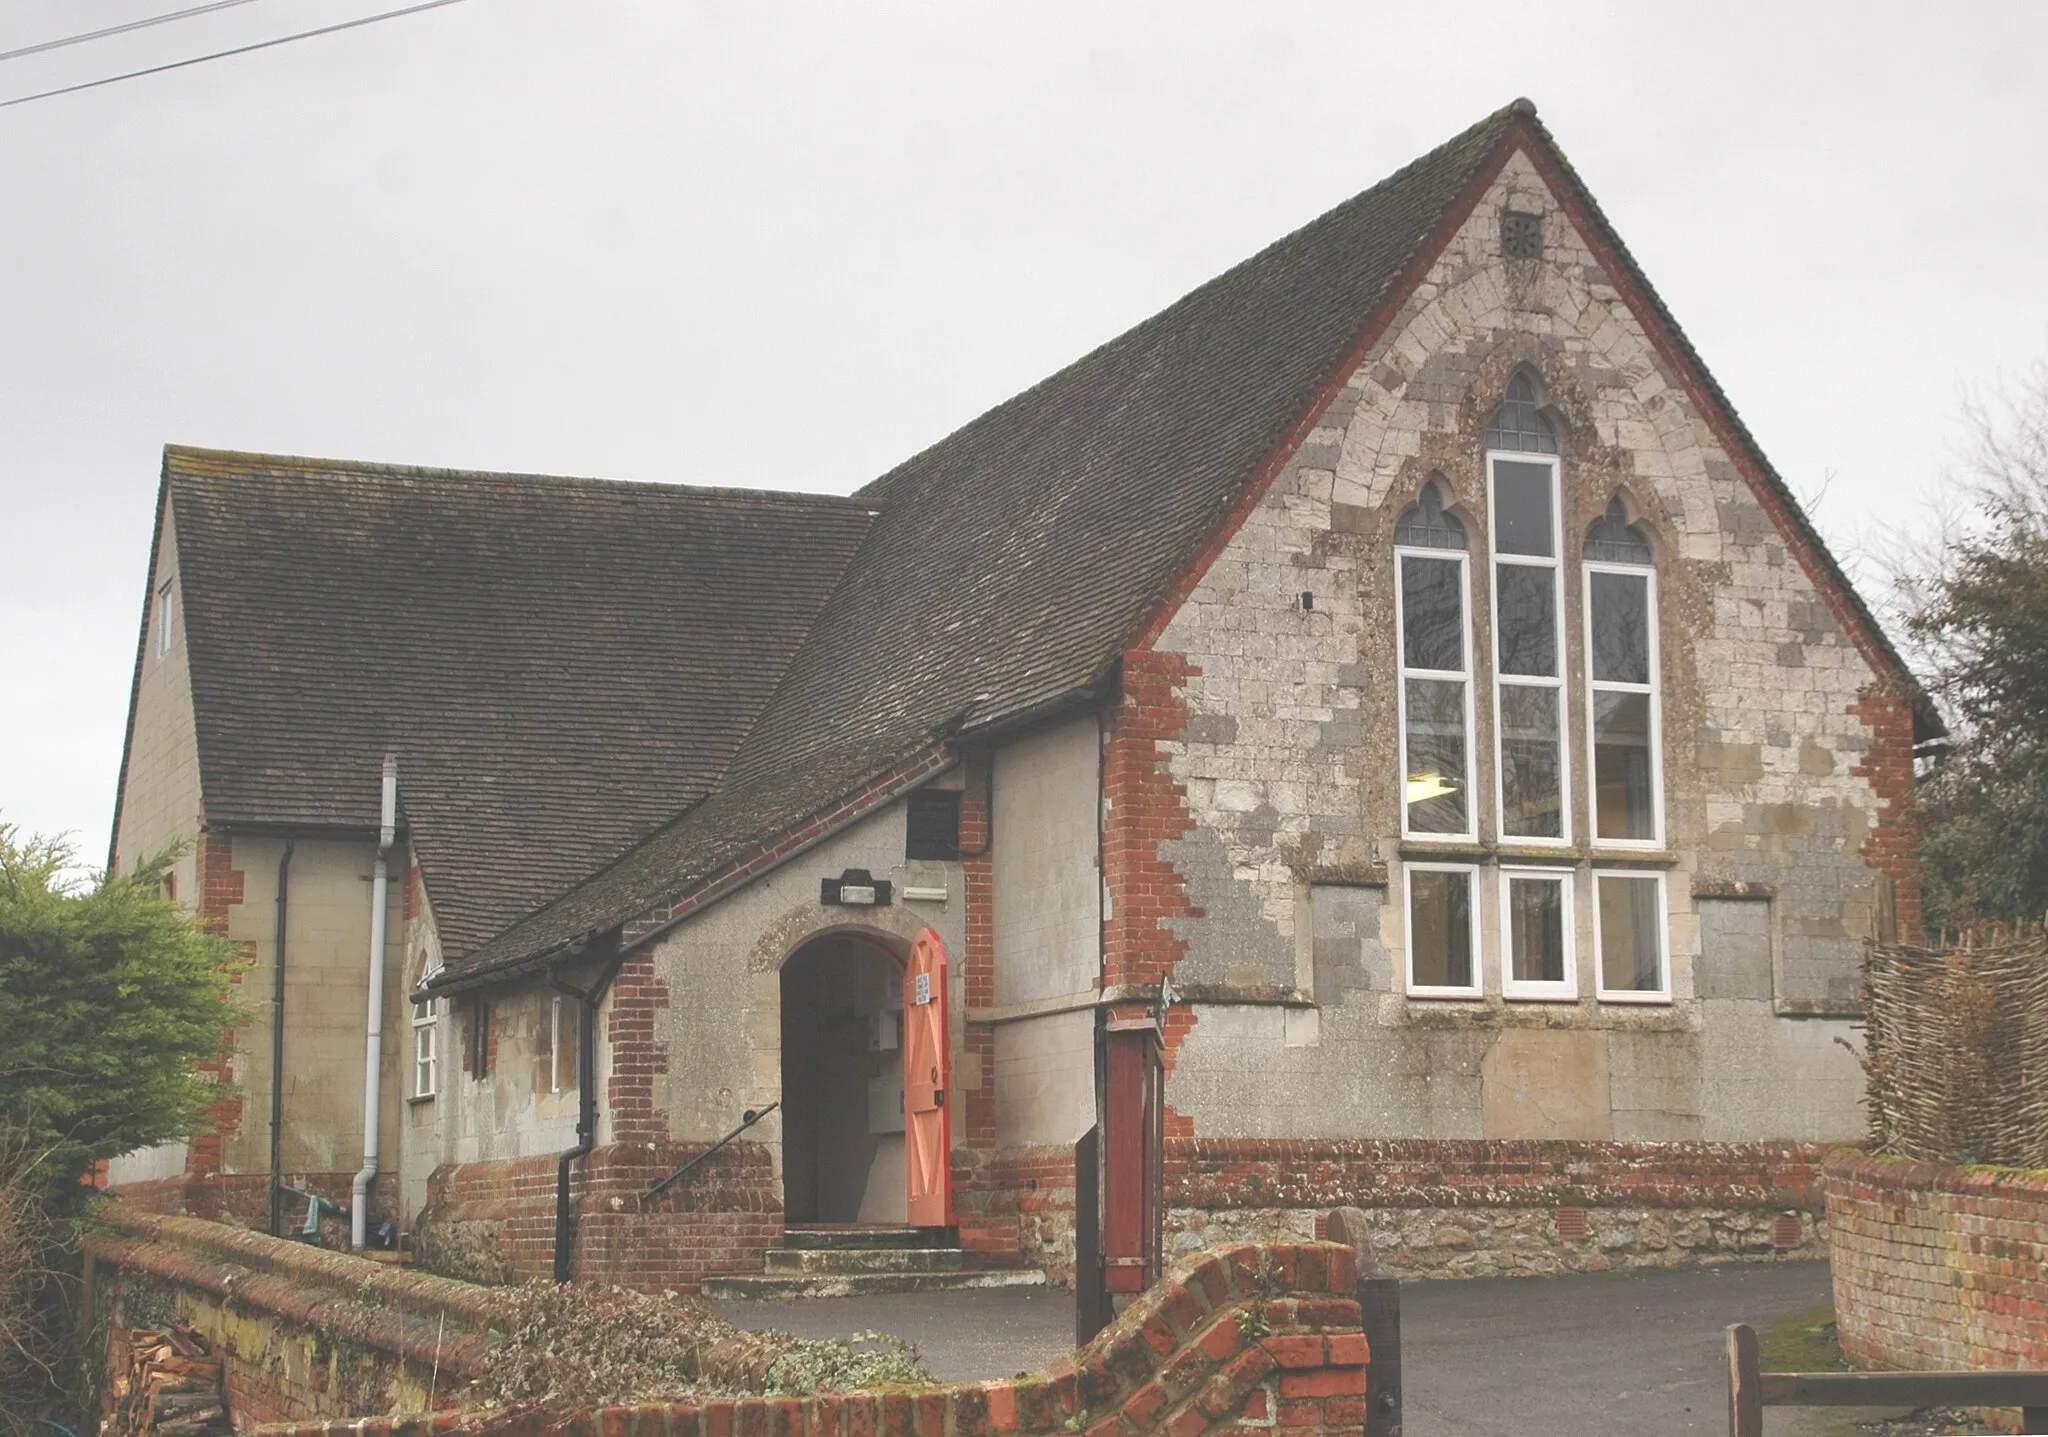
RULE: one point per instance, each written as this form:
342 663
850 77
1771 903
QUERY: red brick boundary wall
243 1199
1938 1267
1248 1337
302 1332
495 1221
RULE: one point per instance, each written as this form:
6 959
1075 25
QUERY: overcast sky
786 245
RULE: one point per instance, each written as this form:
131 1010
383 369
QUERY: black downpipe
587 1000
284 881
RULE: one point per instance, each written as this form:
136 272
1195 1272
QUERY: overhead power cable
225 54
143 24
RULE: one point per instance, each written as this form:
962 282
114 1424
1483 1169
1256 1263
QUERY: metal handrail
747 1120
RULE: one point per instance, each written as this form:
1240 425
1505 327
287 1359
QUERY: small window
1628 937
480 1040
166 618
426 1064
1536 934
932 824
561 1054
1443 940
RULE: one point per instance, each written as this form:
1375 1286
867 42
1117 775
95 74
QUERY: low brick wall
243 1199
302 1332
1938 1267
1252 1336
1484 1208
494 1222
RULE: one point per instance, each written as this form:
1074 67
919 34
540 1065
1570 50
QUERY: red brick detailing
978 963
498 1218
220 888
1147 807
749 864
412 903
1017 1204
243 1199
1938 1267
638 1062
1893 847
1120 1385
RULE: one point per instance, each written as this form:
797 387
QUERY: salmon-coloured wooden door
927 1073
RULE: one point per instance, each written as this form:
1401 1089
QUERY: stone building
1398 643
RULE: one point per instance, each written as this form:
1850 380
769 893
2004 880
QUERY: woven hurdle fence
1957 1039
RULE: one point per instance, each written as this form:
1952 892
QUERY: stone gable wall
1256 743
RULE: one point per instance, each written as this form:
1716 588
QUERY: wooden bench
1750 1391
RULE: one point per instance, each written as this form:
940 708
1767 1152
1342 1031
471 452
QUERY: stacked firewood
172 1386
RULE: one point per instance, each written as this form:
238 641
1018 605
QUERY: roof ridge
194 461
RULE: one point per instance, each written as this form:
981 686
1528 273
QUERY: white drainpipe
373 1045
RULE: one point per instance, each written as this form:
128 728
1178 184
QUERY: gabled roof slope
1013 560
562 665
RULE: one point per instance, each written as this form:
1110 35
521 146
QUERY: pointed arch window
1530 767
1430 611
1622 668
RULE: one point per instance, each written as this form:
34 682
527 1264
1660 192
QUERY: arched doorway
842 1082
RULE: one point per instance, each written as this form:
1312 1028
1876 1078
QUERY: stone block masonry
1259 1335
1938 1267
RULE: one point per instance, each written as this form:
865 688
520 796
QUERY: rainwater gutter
587 1000
373 1041
284 884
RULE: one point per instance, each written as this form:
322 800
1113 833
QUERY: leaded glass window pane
1613 540
1425 525
1518 424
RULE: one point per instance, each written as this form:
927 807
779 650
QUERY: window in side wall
426 1029
1536 934
1622 664
1531 787
480 1039
1629 922
1435 680
166 617
562 1075
1443 930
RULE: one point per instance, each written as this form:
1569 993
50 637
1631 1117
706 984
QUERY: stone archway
842 1079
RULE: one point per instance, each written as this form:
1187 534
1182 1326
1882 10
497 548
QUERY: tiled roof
562 665
1012 561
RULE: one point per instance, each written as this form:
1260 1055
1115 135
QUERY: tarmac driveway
1599 1353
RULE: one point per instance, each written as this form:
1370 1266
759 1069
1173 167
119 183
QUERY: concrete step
752 1285
827 1260
861 1235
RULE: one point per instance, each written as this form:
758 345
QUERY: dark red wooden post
1133 1123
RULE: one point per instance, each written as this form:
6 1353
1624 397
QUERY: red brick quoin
1262 1335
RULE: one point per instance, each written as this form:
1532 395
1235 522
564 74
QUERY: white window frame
1409 985
1555 563
1512 988
555 1027
1596 687
1402 673
166 617
1634 995
426 1049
